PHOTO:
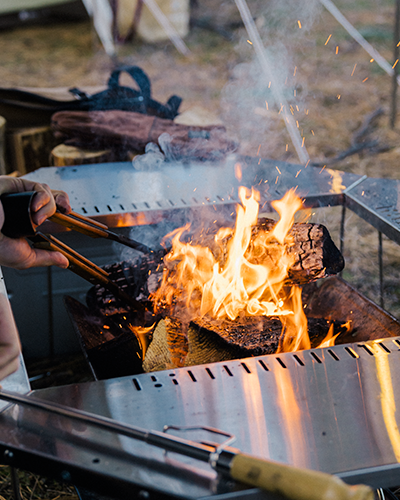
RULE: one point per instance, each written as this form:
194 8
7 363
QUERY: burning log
206 340
316 255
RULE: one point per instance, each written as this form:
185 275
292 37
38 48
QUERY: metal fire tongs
287 481
18 223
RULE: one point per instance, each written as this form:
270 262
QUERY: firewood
64 155
207 340
316 255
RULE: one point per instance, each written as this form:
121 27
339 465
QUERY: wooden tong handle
294 483
81 224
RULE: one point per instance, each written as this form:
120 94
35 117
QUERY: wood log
316 255
207 340
64 155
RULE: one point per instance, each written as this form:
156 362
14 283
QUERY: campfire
237 291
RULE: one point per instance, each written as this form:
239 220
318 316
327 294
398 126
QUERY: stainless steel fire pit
331 409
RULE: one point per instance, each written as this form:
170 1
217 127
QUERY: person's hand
9 340
18 253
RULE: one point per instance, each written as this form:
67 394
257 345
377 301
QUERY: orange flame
239 274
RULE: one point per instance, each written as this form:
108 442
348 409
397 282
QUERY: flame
240 273
142 334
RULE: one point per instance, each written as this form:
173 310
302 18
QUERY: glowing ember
239 274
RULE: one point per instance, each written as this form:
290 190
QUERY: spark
337 49
362 194
312 131
398 45
251 43
302 142
297 108
327 40
265 181
295 69
258 150
276 180
287 147
352 73
299 23
394 65
280 109
323 168
291 109
365 79
259 161
297 123
297 173
269 85
278 169
266 105
338 96
307 111
306 165
194 190
294 92
371 60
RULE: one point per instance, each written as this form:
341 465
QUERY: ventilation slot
134 206
84 210
220 198
264 366
136 384
397 342
191 375
228 371
121 207
299 361
183 201
109 208
210 373
153 378
174 381
367 349
246 368
159 203
97 210
171 203
352 352
333 354
314 356
281 362
383 347
146 204
194 199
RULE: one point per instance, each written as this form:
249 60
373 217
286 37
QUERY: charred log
316 255
207 340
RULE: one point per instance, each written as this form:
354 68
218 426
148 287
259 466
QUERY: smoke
252 100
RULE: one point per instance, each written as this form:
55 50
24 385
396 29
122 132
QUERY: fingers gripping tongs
18 223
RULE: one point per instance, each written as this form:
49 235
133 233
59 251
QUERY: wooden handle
293 483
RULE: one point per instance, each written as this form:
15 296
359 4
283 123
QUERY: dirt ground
334 86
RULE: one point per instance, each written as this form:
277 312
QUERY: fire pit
330 409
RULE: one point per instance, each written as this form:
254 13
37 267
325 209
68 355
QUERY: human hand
18 253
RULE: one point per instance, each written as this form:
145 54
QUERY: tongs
18 223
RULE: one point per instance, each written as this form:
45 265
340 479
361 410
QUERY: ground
333 85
